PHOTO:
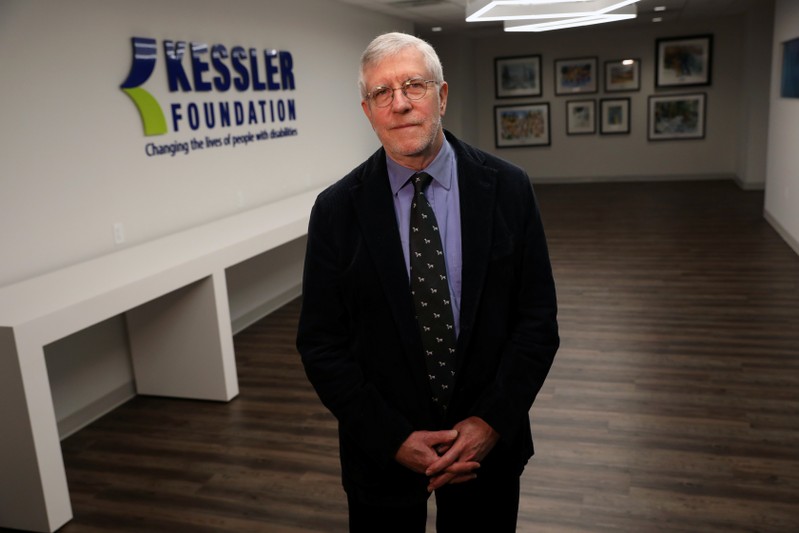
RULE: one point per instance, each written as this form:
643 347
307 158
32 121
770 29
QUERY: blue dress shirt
444 197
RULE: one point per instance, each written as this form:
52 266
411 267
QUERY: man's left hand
475 439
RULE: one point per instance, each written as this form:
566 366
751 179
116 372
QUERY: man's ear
442 96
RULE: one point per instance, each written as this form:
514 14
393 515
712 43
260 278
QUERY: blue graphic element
144 58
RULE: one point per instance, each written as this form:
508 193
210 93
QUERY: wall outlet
119 233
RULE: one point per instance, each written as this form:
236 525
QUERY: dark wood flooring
673 404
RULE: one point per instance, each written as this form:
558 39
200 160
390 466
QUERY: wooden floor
673 404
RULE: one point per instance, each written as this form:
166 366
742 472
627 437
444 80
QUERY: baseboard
252 316
743 185
102 406
747 186
632 179
787 237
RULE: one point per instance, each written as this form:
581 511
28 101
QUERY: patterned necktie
430 290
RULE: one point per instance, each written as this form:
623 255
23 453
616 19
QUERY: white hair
389 44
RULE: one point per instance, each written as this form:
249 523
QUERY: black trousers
484 504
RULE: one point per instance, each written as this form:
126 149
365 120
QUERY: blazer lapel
477 197
374 206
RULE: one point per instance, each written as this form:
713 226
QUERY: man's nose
400 101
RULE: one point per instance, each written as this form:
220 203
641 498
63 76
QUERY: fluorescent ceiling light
626 13
477 9
492 10
562 24
483 10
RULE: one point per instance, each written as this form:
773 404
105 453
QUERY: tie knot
421 180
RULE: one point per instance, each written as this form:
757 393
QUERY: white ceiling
450 14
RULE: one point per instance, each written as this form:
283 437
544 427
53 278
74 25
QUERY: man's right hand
423 448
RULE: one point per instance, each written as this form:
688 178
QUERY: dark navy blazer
359 340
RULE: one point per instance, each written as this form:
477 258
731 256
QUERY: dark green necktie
431 296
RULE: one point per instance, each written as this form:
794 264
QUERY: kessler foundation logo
199 77
144 56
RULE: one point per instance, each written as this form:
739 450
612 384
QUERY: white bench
173 293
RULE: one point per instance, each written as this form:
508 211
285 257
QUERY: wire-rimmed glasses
412 89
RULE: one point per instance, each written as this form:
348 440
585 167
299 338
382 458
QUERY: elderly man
428 322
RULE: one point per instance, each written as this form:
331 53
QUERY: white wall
782 182
605 157
73 161
264 283
72 147
90 373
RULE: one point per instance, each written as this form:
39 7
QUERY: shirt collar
440 169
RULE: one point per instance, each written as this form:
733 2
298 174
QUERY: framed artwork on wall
622 75
790 69
580 117
614 116
683 61
521 125
517 77
576 76
676 116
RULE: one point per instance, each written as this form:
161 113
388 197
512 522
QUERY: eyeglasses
412 89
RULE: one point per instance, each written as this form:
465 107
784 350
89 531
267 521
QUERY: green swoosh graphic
151 114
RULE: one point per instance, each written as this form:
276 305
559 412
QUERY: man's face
409 130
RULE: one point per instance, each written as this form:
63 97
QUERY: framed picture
790 69
580 117
517 76
684 61
677 116
576 76
521 125
622 75
614 115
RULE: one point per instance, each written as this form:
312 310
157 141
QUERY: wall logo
144 56
194 96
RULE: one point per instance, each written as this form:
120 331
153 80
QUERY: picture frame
614 116
576 76
789 87
622 75
580 117
684 61
676 116
517 76
521 125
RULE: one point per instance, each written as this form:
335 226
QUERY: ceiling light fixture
625 13
493 10
483 10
